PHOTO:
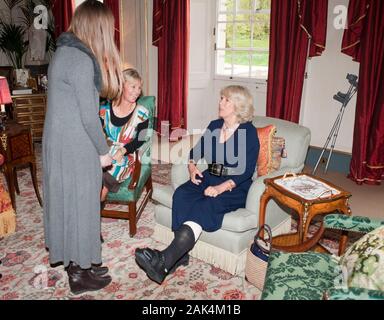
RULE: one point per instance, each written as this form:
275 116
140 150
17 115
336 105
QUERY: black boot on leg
158 264
83 280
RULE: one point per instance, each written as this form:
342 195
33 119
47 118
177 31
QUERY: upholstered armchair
226 248
356 275
132 189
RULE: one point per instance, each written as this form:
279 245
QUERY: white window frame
216 35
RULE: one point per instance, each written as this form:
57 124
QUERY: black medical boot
157 264
83 280
183 261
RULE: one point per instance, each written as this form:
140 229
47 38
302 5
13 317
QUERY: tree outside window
242 38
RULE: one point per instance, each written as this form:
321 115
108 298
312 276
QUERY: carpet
27 275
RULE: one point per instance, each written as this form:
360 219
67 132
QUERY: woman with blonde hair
124 122
230 146
86 65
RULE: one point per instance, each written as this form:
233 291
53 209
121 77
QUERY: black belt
220 170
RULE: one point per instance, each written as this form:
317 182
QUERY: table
307 210
17 147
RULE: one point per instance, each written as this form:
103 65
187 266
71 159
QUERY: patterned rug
26 273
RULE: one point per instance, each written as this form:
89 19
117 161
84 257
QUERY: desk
307 210
17 147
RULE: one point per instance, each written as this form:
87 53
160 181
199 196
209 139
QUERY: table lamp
5 98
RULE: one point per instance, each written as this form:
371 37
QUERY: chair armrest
347 223
180 174
354 294
136 173
144 152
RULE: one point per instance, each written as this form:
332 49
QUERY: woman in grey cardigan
85 66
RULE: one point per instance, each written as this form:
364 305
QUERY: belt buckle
216 169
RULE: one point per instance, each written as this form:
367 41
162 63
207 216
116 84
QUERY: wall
327 76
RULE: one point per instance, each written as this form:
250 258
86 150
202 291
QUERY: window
242 38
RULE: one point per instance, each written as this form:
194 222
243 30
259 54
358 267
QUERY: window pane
225 36
226 5
224 63
259 63
263 4
244 5
225 17
242 35
241 63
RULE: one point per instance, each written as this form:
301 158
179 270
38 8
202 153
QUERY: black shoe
95 269
184 261
99 270
153 263
83 280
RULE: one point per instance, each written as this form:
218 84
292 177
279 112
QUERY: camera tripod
344 99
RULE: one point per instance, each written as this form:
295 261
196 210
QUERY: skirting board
225 260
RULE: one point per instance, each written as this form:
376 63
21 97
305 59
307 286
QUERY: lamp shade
5 95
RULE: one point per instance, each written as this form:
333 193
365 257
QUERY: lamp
5 98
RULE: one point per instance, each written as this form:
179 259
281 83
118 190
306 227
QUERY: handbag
257 258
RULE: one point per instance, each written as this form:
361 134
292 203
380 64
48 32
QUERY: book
18 91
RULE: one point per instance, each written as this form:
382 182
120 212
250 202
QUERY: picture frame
7 71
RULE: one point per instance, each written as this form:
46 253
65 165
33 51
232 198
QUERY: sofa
227 247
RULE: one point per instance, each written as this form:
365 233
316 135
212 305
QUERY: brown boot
83 280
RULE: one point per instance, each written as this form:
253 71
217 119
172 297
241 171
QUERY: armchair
131 189
315 276
226 248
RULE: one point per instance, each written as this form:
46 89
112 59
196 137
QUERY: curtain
298 31
114 5
364 42
171 35
62 11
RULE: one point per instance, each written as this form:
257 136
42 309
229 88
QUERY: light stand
344 99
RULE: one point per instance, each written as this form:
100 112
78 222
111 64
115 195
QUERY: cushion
363 263
271 150
299 276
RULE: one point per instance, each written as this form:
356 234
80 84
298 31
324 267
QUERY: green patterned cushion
363 263
299 276
355 294
347 223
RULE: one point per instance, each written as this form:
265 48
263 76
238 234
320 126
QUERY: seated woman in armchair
230 145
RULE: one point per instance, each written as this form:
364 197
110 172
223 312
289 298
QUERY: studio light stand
344 99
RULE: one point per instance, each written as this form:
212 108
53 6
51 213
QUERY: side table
17 147
307 210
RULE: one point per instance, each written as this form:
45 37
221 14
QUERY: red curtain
62 11
171 35
114 5
364 41
298 31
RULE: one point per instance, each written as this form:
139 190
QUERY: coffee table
310 197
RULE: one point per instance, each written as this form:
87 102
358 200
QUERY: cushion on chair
299 276
271 150
364 262
126 195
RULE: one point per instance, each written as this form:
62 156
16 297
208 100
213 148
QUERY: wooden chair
131 190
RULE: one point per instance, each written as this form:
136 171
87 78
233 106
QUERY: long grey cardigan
73 140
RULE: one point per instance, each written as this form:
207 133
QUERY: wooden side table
17 147
307 210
